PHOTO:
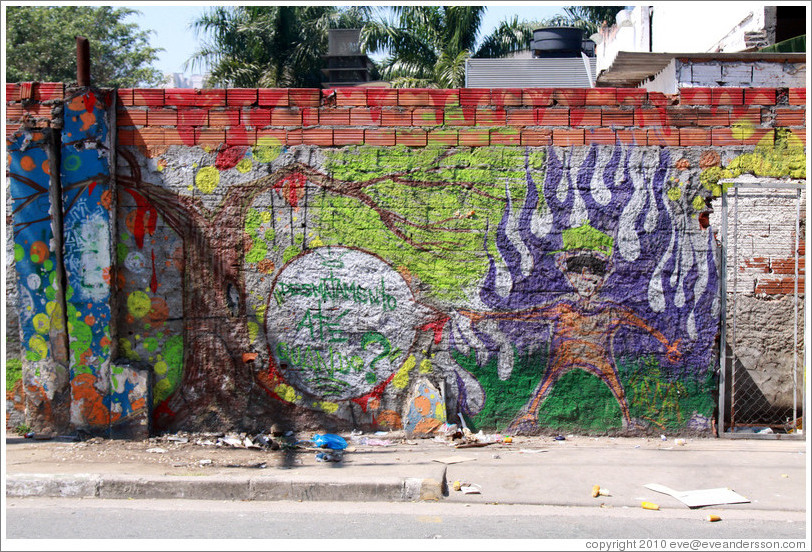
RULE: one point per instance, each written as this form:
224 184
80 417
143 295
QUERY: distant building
558 57
667 47
345 64
179 80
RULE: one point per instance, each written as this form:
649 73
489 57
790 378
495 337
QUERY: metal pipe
735 266
82 61
720 430
795 317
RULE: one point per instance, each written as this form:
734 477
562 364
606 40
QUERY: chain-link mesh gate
762 351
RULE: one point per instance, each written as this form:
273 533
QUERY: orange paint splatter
107 199
388 419
266 265
90 401
27 164
39 252
423 405
427 425
88 119
158 312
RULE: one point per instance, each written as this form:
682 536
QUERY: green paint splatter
81 338
259 249
150 344
784 158
290 252
173 357
19 252
126 349
72 163
14 372
121 252
266 153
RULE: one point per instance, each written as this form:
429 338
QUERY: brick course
419 117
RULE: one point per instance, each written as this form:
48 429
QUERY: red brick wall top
418 117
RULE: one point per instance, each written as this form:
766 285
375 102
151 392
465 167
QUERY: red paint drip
153 283
91 188
270 379
144 211
291 188
89 101
376 393
437 327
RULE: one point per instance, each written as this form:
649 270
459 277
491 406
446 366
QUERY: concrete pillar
33 185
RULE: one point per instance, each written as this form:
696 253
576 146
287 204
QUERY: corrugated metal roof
529 73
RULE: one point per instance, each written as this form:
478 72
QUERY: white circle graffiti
340 321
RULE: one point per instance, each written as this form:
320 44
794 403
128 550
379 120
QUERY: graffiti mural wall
535 286
521 261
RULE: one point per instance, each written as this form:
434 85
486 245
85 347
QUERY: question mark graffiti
373 337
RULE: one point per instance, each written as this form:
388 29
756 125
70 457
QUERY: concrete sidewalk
531 470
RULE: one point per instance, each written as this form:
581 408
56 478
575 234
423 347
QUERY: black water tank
557 42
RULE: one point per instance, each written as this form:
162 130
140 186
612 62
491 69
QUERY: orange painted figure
582 326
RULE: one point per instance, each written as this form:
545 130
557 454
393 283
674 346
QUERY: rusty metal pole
82 61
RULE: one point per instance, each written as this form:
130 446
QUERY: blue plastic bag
329 440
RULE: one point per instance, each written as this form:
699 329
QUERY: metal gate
762 350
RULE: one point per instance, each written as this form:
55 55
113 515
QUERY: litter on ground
700 497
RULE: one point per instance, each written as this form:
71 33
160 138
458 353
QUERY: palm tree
427 45
269 46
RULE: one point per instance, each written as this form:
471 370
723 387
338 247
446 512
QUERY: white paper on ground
454 459
700 497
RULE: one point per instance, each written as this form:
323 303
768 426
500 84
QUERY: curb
261 488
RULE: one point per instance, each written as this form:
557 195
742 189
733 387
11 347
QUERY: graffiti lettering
320 324
340 334
334 289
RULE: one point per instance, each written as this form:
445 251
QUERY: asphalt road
62 518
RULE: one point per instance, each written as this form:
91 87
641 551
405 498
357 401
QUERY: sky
170 22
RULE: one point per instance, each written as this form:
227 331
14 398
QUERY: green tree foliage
41 45
269 46
427 45
588 18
